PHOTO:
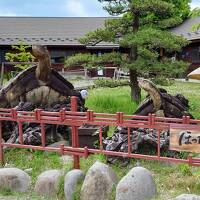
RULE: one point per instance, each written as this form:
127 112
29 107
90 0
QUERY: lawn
118 99
171 179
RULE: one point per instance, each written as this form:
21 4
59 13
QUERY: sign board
185 138
100 72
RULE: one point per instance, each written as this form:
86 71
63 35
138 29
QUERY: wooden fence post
75 139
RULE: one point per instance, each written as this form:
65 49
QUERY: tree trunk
135 89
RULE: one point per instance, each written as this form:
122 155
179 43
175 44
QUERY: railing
76 119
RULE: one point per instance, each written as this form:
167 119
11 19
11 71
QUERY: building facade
61 36
190 53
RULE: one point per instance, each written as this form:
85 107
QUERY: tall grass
111 100
118 99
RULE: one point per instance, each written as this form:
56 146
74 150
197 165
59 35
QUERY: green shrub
105 82
162 81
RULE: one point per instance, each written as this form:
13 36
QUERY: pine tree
20 54
143 28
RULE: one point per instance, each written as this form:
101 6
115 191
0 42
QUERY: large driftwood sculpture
43 70
161 103
144 140
37 84
38 87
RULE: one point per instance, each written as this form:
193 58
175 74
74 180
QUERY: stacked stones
142 140
32 131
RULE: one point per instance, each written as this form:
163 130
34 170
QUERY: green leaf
20 54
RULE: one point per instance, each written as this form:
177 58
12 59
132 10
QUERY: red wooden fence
76 119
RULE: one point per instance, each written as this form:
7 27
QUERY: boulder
71 180
187 197
14 179
47 182
98 183
137 184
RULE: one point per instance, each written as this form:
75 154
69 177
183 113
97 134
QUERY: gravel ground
83 84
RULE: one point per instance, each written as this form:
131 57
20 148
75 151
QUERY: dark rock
142 141
25 106
32 136
32 131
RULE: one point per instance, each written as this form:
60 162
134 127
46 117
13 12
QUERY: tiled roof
48 30
67 30
185 29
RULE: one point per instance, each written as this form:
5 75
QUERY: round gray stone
71 180
98 182
187 197
137 184
47 182
14 179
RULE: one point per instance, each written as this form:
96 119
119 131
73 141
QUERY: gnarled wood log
43 69
38 87
39 79
143 140
154 93
158 99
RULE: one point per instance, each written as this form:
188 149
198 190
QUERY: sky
57 8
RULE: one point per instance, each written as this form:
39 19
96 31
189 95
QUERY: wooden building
190 53
61 35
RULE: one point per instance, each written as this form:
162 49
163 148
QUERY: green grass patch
111 100
37 160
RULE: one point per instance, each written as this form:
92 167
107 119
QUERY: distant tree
143 29
89 61
195 13
20 54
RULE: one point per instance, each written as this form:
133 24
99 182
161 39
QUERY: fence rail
76 119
